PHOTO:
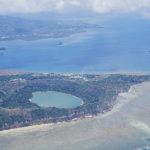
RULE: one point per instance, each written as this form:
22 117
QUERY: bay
121 46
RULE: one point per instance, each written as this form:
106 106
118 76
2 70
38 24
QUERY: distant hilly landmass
18 28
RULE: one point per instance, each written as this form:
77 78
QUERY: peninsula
98 92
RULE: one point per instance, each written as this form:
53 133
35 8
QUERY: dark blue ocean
123 45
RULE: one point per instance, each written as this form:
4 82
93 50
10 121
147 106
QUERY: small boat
60 43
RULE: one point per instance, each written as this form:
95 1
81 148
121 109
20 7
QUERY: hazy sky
96 6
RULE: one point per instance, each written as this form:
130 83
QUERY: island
2 48
60 43
98 92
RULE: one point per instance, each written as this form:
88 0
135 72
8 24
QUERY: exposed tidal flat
125 127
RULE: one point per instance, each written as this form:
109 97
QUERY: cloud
75 3
146 14
96 6
30 6
106 6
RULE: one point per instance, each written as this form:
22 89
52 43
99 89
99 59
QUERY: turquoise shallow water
56 99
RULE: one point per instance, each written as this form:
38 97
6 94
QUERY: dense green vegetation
98 92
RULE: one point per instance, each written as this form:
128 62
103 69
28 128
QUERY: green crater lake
56 99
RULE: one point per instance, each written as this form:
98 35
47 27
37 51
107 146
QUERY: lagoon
56 99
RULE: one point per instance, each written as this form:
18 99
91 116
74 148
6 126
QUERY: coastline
18 72
121 100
